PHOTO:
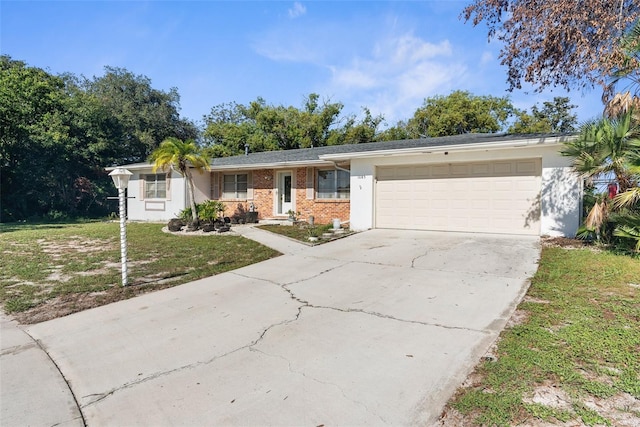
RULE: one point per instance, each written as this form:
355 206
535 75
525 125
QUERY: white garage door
487 197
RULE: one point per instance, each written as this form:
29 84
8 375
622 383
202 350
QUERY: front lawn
572 351
51 270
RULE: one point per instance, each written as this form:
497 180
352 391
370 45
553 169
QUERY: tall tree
139 116
396 132
59 132
458 113
357 131
553 117
263 127
44 164
181 156
572 43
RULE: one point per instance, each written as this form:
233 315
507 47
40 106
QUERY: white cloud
353 78
390 75
397 76
410 49
297 10
293 51
486 58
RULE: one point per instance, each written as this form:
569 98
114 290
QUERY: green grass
49 270
581 335
299 232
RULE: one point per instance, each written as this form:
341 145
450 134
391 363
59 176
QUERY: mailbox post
120 178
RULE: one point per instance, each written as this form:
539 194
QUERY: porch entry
284 193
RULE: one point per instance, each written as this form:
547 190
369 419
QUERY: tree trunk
192 196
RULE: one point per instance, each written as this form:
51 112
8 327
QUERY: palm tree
606 150
181 156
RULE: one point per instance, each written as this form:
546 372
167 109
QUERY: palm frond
585 233
629 232
628 199
597 215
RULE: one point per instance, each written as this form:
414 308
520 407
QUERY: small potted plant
314 233
293 215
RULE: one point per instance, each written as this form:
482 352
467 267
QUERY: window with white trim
155 186
333 184
234 186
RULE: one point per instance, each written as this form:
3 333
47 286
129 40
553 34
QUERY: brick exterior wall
323 210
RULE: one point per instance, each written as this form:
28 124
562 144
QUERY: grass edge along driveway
570 354
51 270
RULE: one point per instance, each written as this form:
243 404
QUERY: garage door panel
528 186
479 204
482 197
526 167
440 171
460 170
503 168
403 173
480 169
421 172
440 186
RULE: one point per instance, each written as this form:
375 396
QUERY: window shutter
310 187
141 186
215 185
249 185
168 185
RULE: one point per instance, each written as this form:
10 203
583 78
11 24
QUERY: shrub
185 214
209 210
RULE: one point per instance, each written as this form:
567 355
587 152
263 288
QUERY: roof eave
515 143
272 165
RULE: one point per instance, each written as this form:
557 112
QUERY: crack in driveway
251 346
102 396
305 303
303 374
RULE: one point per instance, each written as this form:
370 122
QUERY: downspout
335 164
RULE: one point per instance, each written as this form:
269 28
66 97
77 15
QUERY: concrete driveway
379 328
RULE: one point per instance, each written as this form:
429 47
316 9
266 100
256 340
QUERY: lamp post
120 178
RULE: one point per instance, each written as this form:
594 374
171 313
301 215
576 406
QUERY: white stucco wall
560 194
140 209
202 186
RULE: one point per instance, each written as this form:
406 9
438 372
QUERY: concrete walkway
379 328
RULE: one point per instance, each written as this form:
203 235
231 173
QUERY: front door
285 202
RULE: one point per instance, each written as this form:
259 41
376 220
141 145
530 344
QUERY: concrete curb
33 390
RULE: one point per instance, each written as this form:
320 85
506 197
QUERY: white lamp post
120 178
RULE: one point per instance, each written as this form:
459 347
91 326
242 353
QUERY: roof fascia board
274 165
514 143
133 166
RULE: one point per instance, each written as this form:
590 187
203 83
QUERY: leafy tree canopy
553 117
262 127
572 44
59 132
458 113
139 115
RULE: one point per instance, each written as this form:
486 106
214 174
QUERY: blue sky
385 55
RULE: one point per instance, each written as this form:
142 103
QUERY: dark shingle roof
310 155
